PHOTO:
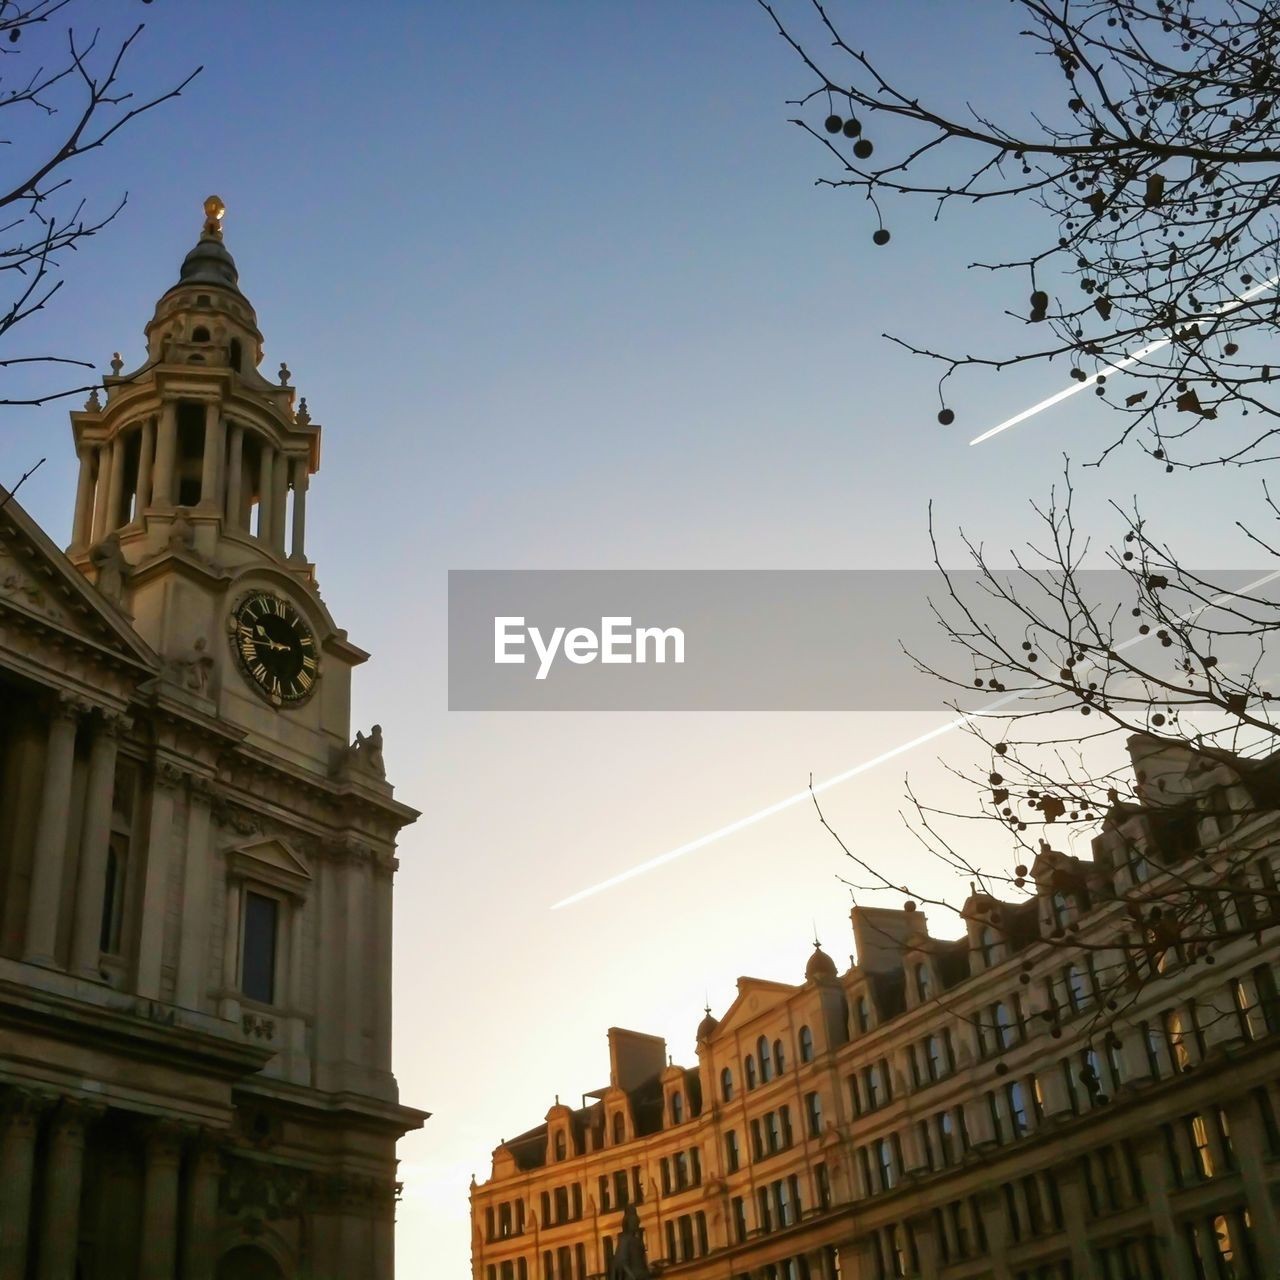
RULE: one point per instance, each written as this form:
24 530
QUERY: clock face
275 648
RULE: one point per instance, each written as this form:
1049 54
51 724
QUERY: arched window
923 988
561 1146
199 334
862 1013
726 1085
677 1107
619 1128
749 1068
779 1059
806 1045
766 1065
236 354
987 943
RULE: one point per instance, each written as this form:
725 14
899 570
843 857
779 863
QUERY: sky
557 281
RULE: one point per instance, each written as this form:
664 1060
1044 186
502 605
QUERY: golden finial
214 212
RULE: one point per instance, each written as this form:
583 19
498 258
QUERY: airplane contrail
835 780
1076 387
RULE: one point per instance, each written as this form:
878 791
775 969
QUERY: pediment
271 861
40 585
756 996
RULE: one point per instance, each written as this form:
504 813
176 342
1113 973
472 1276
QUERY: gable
40 585
756 996
271 861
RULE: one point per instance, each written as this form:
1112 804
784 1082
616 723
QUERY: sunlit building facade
1026 1102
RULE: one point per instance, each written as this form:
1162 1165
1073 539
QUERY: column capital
23 1108
165 1139
72 1116
70 706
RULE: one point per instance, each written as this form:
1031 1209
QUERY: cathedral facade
196 856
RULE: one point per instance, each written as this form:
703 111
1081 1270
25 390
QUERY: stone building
196 859
957 1108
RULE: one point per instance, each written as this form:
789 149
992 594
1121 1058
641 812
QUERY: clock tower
196 855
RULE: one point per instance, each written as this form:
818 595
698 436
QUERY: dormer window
677 1107
619 1128
561 1146
1060 908
987 943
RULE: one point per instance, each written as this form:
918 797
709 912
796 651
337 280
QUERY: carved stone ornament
265 1192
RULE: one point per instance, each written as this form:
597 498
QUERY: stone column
235 466
279 502
41 940
266 489
200 1211
1151 1162
155 885
101 490
146 459
213 448
83 522
298 535
230 1003
60 1217
382 926
356 1001
193 947
1075 1217
159 1253
115 486
1247 1142
166 456
95 835
20 1118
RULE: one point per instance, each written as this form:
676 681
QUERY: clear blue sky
557 282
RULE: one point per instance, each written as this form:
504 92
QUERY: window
1003 1024
813 1109
822 1180
561 1146
739 1219
1078 993
677 1107
1202 1153
926 1147
1015 1100
726 1085
258 956
620 1189
732 1157
749 1070
766 1066
945 1128
779 1059
883 1158
619 1128
113 894
932 1057
862 1013
987 945
806 1045
923 988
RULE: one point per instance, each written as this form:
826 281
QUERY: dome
706 1027
820 965
209 262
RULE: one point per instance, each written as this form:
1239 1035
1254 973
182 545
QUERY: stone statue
108 559
629 1262
366 752
195 669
